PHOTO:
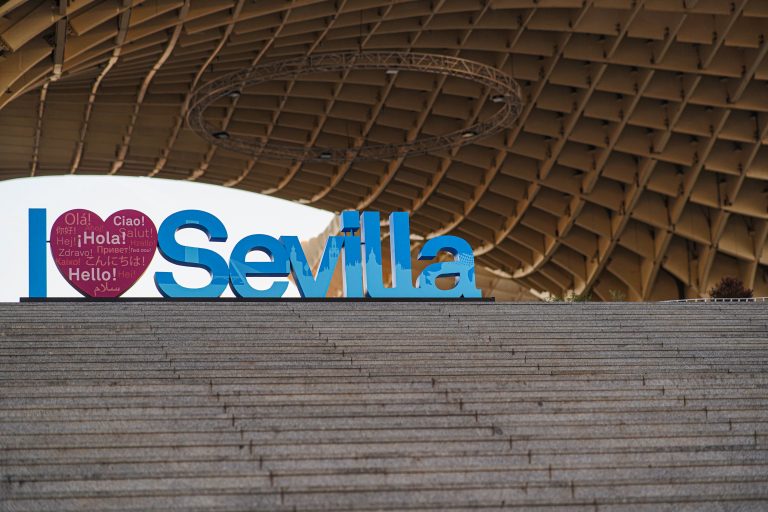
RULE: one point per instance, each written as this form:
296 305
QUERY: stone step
531 495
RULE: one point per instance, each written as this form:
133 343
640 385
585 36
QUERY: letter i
351 256
38 240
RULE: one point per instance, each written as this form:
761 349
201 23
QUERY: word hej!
104 258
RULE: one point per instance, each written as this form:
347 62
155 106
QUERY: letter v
309 286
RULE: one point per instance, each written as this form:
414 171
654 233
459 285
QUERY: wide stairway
301 406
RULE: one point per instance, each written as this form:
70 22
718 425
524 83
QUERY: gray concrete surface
383 406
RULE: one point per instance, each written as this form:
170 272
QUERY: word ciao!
105 258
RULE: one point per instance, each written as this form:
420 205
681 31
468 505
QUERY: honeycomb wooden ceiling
638 166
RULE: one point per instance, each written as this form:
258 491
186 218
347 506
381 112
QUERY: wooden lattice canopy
637 168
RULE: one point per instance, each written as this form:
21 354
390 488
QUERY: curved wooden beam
122 150
160 163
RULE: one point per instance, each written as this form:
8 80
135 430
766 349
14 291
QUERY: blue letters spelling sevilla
360 255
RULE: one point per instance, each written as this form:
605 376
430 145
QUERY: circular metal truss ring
502 89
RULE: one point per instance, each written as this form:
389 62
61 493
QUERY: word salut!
104 258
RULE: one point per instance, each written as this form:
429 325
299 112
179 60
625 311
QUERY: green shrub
617 295
571 297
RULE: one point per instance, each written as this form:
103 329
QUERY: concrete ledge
240 299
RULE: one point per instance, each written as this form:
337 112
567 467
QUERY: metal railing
682 301
504 91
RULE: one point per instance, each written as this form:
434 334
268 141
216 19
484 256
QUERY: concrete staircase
378 406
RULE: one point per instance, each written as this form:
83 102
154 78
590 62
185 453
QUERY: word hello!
104 258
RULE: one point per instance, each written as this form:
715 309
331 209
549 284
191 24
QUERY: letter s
192 256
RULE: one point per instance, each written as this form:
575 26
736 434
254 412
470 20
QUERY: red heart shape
103 258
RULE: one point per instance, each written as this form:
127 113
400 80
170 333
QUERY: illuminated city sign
104 258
